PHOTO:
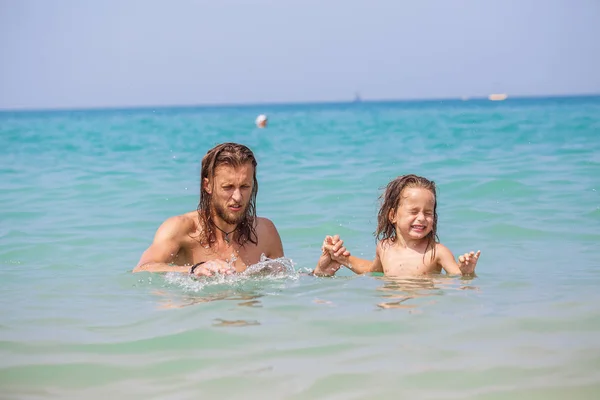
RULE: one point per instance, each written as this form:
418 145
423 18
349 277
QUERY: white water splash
266 269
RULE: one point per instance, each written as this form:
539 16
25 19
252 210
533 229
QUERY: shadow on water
247 288
248 298
409 292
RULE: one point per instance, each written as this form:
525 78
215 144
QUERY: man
224 235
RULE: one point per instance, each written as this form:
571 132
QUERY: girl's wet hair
391 199
234 155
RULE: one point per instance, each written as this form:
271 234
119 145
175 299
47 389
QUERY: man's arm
163 250
466 263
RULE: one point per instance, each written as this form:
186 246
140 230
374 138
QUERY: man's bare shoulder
265 225
178 226
268 238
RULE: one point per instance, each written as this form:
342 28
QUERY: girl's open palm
468 261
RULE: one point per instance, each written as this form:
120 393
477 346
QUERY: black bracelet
193 267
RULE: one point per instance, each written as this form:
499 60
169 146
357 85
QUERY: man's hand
214 267
331 251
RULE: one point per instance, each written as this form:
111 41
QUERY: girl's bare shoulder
383 245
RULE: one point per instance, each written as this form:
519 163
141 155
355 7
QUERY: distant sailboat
357 98
497 96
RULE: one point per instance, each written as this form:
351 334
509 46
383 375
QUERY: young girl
407 242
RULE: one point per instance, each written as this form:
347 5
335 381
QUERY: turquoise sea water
82 193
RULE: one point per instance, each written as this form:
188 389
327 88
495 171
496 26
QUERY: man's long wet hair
234 155
391 199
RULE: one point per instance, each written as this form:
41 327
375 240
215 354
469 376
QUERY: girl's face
413 217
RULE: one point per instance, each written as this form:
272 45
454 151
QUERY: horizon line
294 103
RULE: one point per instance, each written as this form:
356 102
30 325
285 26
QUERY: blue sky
82 53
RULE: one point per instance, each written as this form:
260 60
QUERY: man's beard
229 218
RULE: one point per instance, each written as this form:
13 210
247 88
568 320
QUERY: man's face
231 189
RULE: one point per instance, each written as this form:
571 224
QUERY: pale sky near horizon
84 53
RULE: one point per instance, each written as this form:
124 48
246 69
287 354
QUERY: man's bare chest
239 256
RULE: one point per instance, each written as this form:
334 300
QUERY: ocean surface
82 193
